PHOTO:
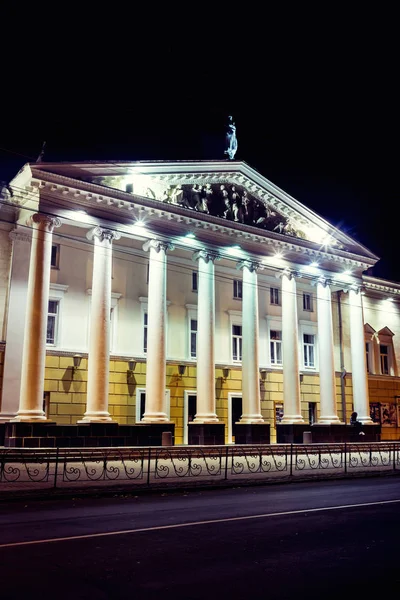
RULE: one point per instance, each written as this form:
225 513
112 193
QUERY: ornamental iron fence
153 467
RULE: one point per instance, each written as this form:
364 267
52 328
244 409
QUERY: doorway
235 411
189 412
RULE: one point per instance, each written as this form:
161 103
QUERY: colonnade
34 347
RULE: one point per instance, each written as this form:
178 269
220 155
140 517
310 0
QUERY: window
275 296
129 188
141 404
194 281
55 256
308 302
193 338
52 322
237 289
384 359
144 332
309 350
367 356
276 347
237 343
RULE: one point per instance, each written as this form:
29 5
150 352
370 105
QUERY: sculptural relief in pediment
224 200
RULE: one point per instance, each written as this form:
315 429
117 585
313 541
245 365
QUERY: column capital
206 255
157 245
324 281
49 222
289 273
17 235
103 234
252 265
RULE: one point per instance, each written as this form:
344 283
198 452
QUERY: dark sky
314 97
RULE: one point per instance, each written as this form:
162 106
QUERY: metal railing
190 465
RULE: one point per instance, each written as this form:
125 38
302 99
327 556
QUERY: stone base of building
320 434
251 433
206 434
84 435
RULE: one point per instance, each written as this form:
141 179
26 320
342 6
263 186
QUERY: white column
16 311
206 412
37 303
290 351
358 358
156 409
327 381
100 325
250 363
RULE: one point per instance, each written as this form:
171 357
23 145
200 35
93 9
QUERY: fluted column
156 410
290 351
206 411
358 358
100 325
328 409
34 348
250 363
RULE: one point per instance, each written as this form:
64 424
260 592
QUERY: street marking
195 523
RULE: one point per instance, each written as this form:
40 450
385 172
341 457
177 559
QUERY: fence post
345 458
56 469
226 462
148 466
291 460
394 456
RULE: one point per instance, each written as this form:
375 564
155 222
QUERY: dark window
307 302
194 281
275 296
237 289
55 254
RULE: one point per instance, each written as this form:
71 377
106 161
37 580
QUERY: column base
5 417
292 420
330 421
206 434
158 417
96 417
205 418
250 419
251 433
29 416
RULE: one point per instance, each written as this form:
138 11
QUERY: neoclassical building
184 293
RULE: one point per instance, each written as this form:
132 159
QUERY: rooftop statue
231 143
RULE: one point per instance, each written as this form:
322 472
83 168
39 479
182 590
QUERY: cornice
128 205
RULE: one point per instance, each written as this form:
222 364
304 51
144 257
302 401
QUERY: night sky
314 97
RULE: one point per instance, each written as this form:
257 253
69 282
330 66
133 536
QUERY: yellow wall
68 395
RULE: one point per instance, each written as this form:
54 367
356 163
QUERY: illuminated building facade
192 293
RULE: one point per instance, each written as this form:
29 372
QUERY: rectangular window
193 338
144 333
309 350
276 347
55 256
275 296
194 281
307 302
384 355
367 356
52 322
129 188
237 289
237 343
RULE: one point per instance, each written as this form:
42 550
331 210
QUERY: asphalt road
301 540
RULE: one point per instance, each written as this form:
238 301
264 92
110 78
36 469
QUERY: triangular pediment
228 190
369 330
385 331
